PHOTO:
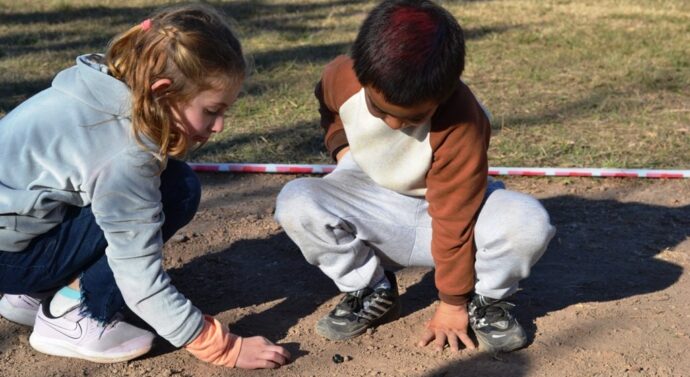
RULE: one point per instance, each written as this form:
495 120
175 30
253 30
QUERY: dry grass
570 83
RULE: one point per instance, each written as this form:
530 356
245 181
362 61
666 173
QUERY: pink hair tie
146 24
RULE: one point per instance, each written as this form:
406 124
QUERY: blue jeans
76 248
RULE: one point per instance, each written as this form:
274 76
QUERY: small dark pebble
337 358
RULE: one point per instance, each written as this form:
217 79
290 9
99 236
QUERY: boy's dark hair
410 50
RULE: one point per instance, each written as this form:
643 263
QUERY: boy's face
397 117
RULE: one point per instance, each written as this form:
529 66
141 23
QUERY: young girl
89 192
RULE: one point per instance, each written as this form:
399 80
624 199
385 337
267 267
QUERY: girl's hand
259 352
216 345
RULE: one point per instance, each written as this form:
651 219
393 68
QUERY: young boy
411 187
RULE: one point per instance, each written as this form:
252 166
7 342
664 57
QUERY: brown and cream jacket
444 160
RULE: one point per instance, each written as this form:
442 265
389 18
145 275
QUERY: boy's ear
160 85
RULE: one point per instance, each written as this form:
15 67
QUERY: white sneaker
76 335
21 309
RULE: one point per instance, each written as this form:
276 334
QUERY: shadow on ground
604 250
254 272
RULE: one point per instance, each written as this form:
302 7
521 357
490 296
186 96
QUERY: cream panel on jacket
395 159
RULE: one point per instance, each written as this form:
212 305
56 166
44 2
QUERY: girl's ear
160 85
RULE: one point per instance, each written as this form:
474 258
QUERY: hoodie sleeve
126 203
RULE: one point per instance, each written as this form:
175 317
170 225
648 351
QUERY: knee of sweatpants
294 198
517 221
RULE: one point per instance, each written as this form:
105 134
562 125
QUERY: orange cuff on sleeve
215 344
456 300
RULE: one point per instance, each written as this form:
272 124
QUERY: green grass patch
570 83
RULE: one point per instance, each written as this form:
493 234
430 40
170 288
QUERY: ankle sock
64 300
383 283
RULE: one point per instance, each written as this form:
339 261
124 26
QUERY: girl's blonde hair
191 45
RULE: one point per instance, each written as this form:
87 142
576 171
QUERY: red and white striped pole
590 172
497 171
261 168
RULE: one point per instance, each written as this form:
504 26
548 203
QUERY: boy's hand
449 324
259 352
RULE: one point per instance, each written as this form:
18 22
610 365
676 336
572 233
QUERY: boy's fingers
453 342
440 340
465 339
427 337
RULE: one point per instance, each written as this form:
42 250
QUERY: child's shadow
268 280
603 250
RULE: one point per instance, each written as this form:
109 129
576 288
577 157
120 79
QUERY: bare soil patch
609 298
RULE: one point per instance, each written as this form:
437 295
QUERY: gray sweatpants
350 227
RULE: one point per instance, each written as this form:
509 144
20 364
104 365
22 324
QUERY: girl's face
204 114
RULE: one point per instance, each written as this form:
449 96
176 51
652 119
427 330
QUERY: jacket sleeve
335 138
456 185
338 83
126 202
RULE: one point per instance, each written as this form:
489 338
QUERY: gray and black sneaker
360 310
496 328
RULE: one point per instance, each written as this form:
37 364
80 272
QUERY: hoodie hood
90 83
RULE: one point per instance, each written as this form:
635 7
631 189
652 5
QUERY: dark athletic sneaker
496 328
360 310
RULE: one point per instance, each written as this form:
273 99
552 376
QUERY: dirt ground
609 298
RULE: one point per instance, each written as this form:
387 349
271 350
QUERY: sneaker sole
328 333
17 315
58 348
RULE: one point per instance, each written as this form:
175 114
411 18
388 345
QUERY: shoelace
355 304
495 311
365 304
351 303
29 300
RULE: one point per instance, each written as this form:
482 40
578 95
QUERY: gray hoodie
72 145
